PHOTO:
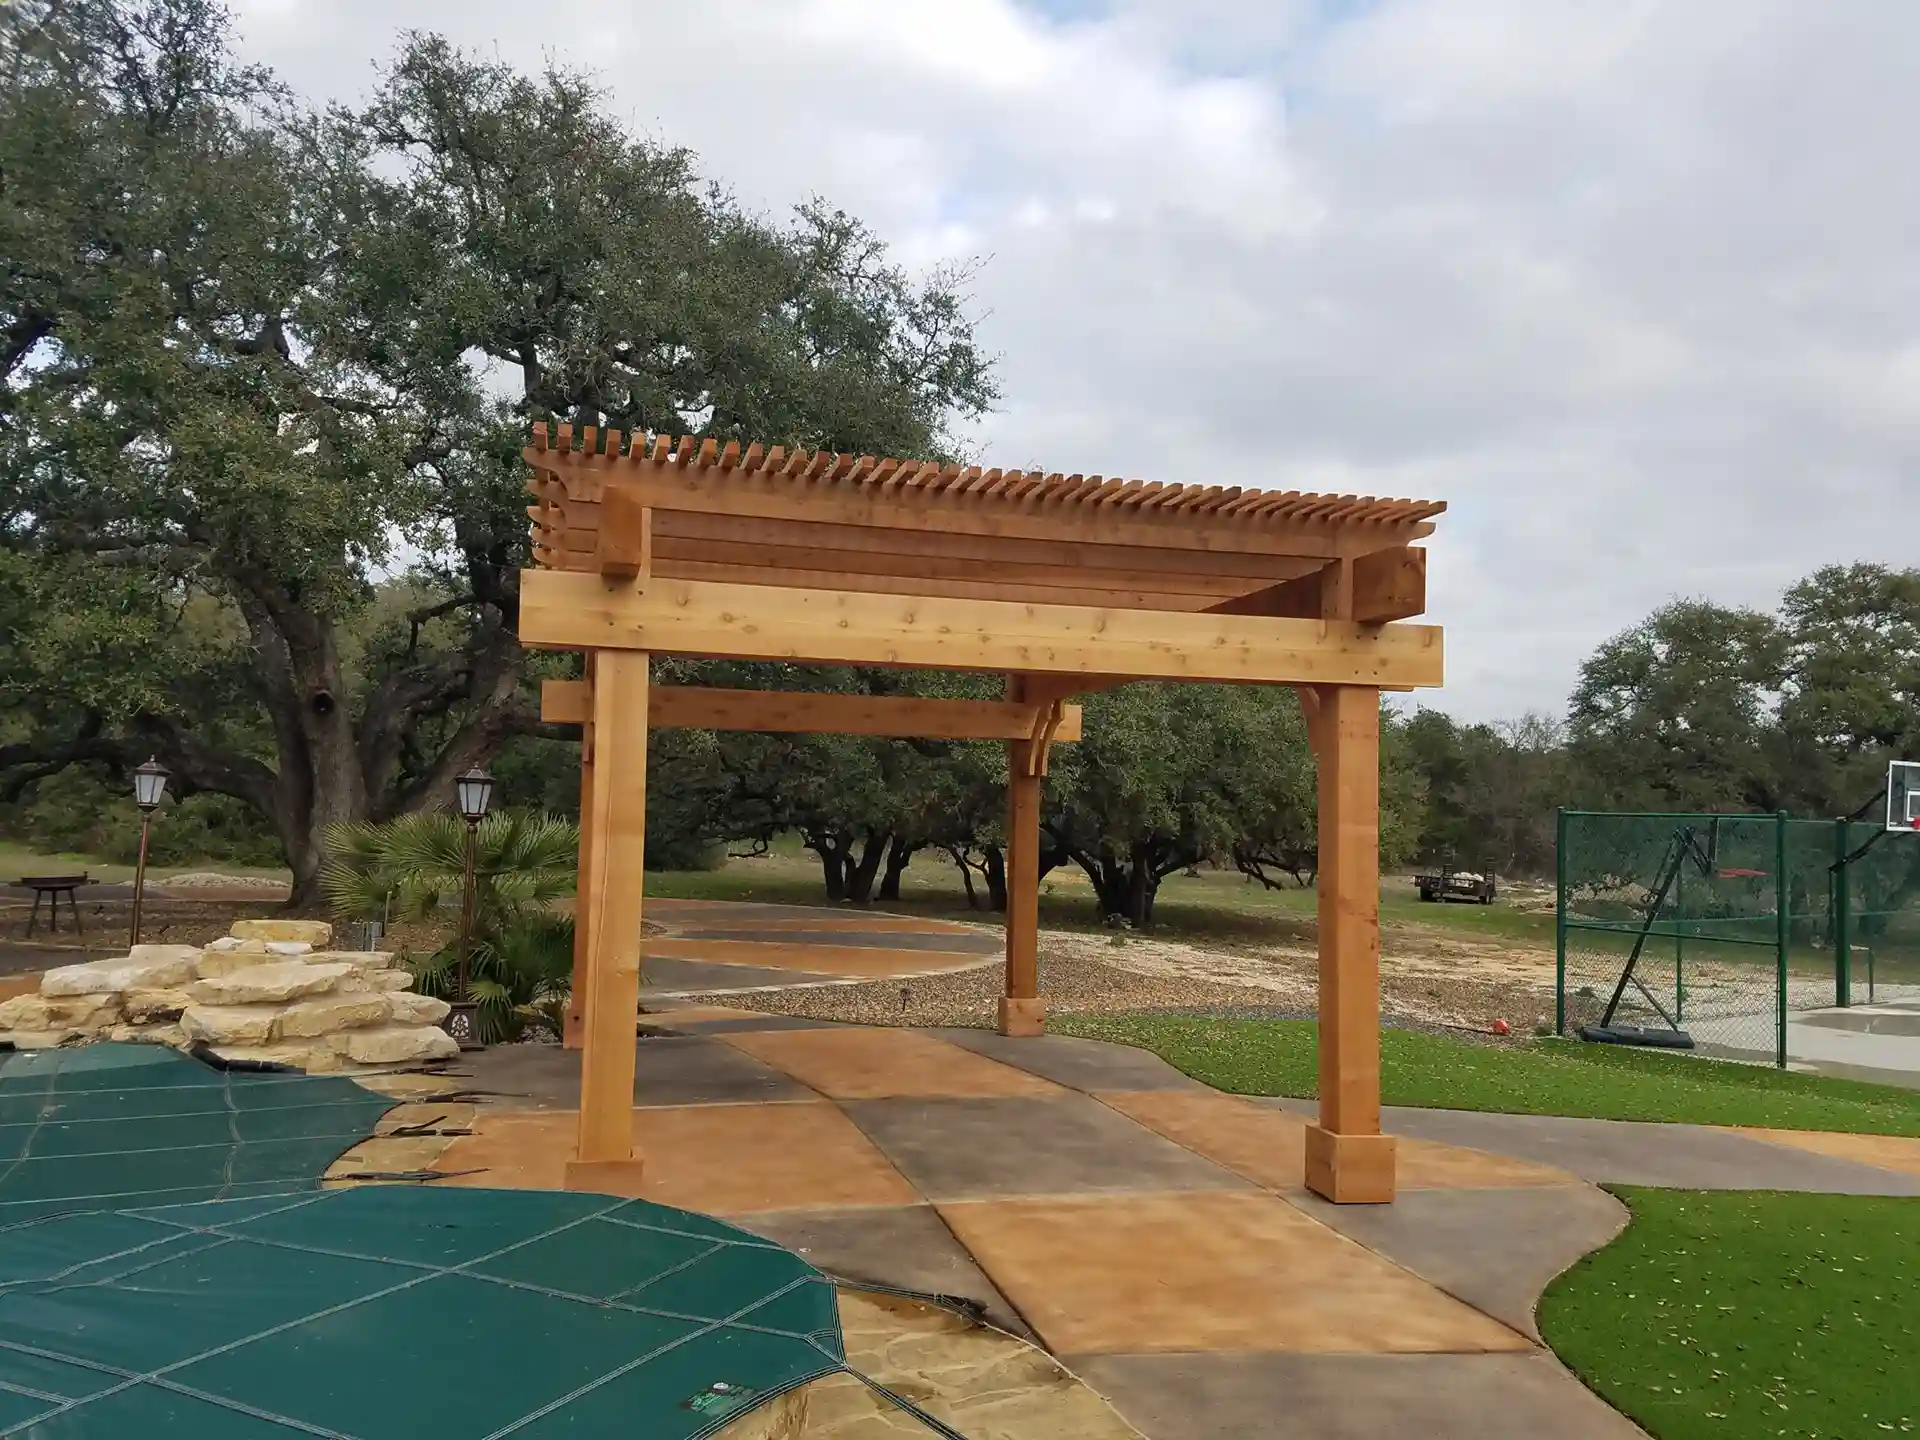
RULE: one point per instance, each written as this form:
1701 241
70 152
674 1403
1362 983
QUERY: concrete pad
1069 1145
719 1159
857 937
905 1248
849 921
764 1022
838 960
871 1064
1625 1152
668 1070
1268 1145
1158 1274
660 976
1886 1152
692 1014
1495 1249
1353 1397
1073 1062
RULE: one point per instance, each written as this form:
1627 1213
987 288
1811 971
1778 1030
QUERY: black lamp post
149 787
474 793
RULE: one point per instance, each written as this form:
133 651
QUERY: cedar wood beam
911 717
570 610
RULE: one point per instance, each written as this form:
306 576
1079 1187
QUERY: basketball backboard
1903 795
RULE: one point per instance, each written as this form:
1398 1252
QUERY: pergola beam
761 495
570 610
794 712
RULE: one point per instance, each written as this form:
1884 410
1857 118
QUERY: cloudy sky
1634 286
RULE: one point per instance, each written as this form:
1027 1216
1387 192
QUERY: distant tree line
265 372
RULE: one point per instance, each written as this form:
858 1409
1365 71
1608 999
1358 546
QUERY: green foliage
520 957
1723 1313
518 974
78 812
245 344
415 866
1547 1077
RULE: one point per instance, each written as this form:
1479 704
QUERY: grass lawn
1542 1077
1733 1314
17 860
1213 905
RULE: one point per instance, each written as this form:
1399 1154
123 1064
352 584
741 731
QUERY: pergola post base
1350 1169
1022 1015
606 1177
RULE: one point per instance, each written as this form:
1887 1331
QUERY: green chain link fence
1735 923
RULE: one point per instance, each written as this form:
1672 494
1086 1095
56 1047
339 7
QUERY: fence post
1560 921
1680 945
1842 917
1783 934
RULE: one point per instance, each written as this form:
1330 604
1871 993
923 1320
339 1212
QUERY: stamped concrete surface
1081 1194
1150 1233
1625 1152
1353 1397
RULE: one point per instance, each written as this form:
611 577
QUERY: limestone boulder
215 963
111 977
394 1044
233 942
150 1035
268 984
388 980
288 947
324 1014
311 1058
230 1024
317 933
411 1009
59 1012
155 954
150 1007
365 959
41 1039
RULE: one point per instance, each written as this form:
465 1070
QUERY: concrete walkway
722 948
1150 1233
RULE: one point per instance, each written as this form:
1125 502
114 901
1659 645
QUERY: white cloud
1630 285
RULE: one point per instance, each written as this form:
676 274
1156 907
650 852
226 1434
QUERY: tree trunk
861 873
899 856
959 854
1141 883
833 864
994 867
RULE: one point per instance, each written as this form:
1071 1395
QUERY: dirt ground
1429 980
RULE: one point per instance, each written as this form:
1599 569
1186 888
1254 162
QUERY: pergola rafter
1063 583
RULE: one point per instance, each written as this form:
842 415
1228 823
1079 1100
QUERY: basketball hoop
1903 796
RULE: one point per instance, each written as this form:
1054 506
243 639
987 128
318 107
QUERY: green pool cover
169 1268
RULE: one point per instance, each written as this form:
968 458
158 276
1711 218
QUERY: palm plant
412 868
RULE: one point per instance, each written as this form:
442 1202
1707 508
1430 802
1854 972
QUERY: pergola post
583 889
616 851
1348 1159
1021 1011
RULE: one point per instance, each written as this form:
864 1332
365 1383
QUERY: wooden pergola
1064 584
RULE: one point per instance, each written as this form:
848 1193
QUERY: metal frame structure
1063 584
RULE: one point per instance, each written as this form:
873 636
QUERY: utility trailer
1449 884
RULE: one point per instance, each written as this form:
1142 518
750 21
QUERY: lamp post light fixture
149 788
474 793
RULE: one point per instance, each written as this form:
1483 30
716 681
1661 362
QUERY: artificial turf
1537 1077
1750 1313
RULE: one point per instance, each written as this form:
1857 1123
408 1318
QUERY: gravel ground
1088 975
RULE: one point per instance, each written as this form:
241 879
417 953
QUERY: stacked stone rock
270 990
